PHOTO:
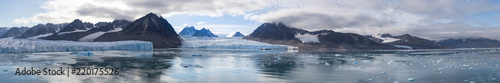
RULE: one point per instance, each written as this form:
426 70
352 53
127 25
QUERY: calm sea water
264 66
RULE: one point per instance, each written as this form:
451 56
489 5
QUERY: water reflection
224 65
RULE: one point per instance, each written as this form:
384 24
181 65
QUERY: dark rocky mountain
42 29
3 30
470 43
14 32
77 24
76 36
237 34
203 33
416 42
278 33
148 28
188 31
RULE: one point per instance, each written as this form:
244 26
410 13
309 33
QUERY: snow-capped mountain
147 28
203 33
235 34
42 29
14 32
278 33
188 31
470 43
406 41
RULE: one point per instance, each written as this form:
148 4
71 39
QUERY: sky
431 19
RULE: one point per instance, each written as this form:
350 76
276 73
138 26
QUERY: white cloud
200 23
21 21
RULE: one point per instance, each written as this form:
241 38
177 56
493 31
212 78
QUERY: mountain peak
151 15
386 35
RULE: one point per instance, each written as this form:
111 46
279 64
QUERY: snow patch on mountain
95 35
307 38
39 36
62 33
386 39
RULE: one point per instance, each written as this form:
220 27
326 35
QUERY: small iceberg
190 65
196 55
88 53
410 79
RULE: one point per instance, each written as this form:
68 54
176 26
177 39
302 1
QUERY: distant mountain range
191 31
406 41
470 43
278 33
236 34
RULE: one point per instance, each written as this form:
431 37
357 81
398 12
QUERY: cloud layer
433 19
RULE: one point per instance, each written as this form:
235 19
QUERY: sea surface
208 65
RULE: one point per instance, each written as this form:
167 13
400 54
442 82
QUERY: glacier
230 43
9 45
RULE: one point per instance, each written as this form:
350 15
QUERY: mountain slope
278 33
470 43
148 28
3 30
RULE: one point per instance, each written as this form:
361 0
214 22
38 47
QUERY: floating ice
88 53
196 55
403 46
355 63
410 79
23 45
338 55
383 72
191 65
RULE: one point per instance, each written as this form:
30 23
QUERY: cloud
21 21
200 23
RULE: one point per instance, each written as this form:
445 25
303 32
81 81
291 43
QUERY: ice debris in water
410 79
88 53
355 63
196 55
191 65
338 55
384 72
327 63
49 63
